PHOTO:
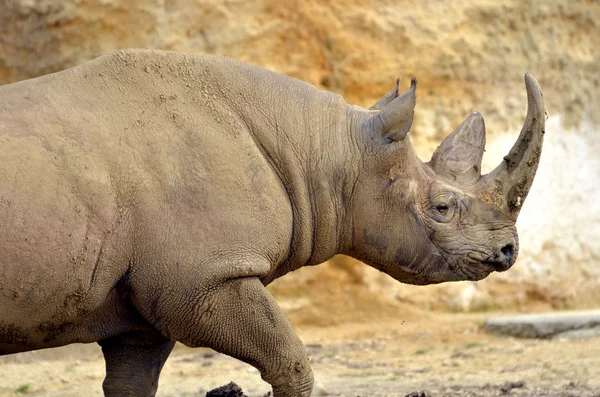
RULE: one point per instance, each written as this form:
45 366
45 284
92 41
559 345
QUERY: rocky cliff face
467 56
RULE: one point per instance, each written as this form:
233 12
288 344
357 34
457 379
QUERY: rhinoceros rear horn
395 119
459 156
512 179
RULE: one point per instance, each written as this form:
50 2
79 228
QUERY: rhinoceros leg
241 319
133 363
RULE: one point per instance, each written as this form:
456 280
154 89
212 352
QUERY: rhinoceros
148 197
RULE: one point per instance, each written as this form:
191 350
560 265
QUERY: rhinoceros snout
504 258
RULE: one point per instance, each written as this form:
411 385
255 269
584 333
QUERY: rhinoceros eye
442 208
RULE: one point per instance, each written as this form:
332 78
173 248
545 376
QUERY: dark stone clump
418 394
229 390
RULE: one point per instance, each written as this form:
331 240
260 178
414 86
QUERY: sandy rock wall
467 56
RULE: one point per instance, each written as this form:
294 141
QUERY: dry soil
441 354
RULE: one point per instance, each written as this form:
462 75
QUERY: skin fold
148 197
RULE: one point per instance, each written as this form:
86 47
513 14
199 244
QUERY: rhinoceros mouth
494 262
495 266
498 266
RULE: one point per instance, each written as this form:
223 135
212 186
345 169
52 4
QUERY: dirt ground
440 353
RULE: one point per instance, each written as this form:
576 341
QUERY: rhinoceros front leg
241 319
133 363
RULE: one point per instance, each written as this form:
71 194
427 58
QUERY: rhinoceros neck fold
304 134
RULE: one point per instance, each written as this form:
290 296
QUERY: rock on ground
546 325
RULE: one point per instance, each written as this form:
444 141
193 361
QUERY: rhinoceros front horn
508 184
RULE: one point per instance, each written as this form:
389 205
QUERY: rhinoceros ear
387 98
396 118
459 156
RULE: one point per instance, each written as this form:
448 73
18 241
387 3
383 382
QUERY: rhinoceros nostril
507 251
503 259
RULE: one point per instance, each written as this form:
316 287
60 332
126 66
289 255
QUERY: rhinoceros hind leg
133 363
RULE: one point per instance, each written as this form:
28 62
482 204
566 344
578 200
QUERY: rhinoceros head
442 220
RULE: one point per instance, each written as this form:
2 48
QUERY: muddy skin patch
535 160
75 301
10 334
517 195
52 330
514 157
493 196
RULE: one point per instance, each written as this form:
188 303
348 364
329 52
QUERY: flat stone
544 325
579 334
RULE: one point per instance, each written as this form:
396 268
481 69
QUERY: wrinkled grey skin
148 197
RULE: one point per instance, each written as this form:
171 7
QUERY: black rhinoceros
148 197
